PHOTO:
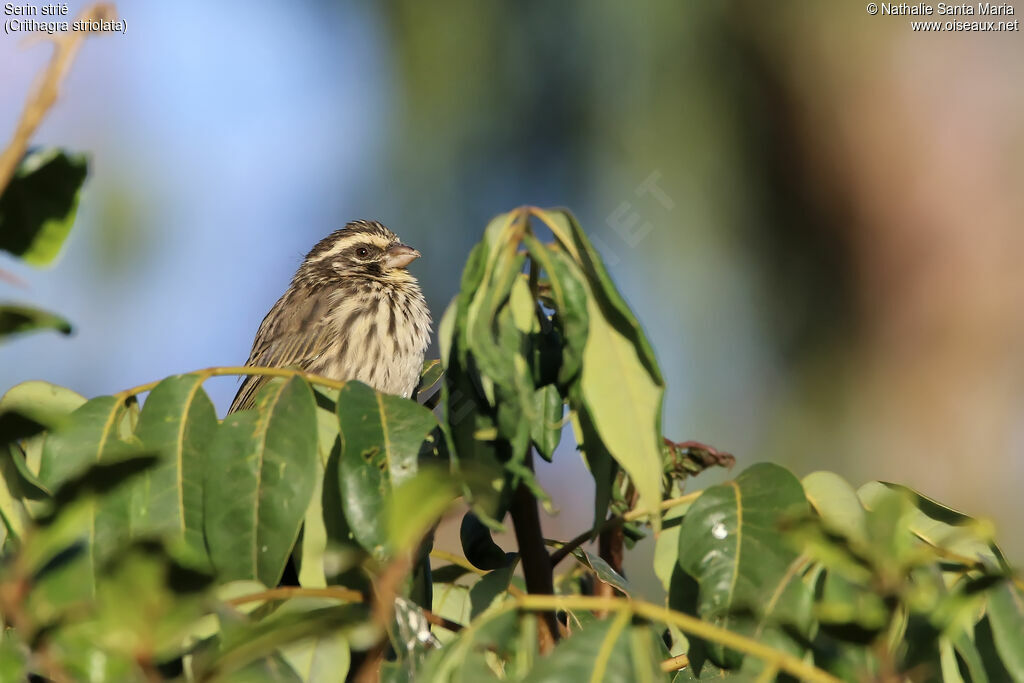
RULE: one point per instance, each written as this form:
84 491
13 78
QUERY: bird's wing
296 332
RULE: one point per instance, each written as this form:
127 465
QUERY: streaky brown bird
352 312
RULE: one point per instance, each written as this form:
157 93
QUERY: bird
353 311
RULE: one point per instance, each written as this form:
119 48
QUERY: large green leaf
38 207
602 652
178 422
16 319
620 386
381 438
260 478
624 403
748 575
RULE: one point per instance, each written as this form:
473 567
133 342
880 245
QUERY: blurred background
816 213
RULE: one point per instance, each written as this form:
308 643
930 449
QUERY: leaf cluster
143 538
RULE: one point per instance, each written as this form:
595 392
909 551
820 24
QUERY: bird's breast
380 337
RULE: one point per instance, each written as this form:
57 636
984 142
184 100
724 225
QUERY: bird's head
363 249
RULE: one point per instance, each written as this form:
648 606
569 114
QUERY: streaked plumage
352 311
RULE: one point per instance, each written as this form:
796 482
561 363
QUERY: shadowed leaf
38 207
16 319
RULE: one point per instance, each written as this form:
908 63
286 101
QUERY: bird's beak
399 256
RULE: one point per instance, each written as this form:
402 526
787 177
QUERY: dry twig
65 46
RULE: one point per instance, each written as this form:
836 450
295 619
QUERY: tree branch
611 522
241 370
535 561
65 46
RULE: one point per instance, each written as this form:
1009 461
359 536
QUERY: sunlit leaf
546 428
178 422
666 546
261 476
381 438
837 504
748 576
602 570
624 402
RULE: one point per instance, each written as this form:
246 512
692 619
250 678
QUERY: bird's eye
362 252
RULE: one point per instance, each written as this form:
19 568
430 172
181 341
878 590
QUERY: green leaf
67 554
314 538
89 435
604 651
178 422
546 429
569 296
145 603
452 602
261 475
1006 616
430 376
748 576
837 504
15 319
24 410
244 642
968 652
666 546
415 505
497 646
42 399
96 433
38 206
491 588
322 657
13 657
381 438
939 525
572 238
602 570
599 461
624 403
